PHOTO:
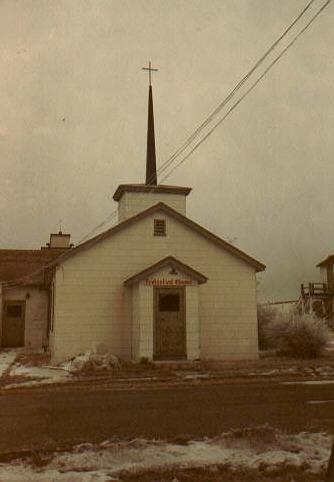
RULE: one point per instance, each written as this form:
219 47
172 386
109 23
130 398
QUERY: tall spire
151 163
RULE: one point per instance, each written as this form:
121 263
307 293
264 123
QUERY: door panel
13 323
170 333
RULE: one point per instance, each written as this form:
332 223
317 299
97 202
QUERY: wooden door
13 323
170 324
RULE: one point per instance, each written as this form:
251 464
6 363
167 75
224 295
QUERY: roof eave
257 265
325 261
160 188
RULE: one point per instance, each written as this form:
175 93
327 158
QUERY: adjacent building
24 293
318 298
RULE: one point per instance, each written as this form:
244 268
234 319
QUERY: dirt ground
267 365
227 369
218 473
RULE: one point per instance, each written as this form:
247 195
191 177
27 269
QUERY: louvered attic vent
159 227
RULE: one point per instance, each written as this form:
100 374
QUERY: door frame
6 303
183 312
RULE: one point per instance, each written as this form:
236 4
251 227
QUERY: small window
169 302
14 311
159 227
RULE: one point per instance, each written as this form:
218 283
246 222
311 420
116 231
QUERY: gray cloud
73 121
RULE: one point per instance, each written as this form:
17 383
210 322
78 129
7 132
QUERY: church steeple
151 163
133 198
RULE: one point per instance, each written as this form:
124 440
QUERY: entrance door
13 323
170 325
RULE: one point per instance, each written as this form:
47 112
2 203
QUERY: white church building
157 285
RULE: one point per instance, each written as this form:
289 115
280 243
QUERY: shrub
265 316
304 337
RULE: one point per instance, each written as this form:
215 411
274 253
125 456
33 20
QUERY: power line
222 104
99 226
234 90
249 90
14 283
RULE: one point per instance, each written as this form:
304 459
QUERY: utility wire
249 89
15 282
188 141
179 151
198 130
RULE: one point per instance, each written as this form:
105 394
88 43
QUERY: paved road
35 419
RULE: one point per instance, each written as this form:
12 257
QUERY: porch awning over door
171 262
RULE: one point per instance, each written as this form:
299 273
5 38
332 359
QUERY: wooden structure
169 324
315 298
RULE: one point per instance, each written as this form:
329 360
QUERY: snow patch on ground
44 375
99 463
310 382
91 361
324 371
6 360
196 376
20 473
278 371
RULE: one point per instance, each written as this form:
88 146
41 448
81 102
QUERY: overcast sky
74 113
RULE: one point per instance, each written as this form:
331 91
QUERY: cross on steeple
151 163
150 70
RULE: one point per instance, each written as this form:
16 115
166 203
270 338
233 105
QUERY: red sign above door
167 282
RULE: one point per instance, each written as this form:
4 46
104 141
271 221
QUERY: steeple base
134 198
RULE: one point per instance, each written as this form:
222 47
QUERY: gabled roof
179 217
160 188
168 261
26 266
328 260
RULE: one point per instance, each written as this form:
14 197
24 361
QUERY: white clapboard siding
132 203
92 303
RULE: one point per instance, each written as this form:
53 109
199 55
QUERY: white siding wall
146 321
132 203
142 322
135 321
36 314
193 328
93 305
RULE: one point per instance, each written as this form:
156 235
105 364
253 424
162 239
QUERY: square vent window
159 227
